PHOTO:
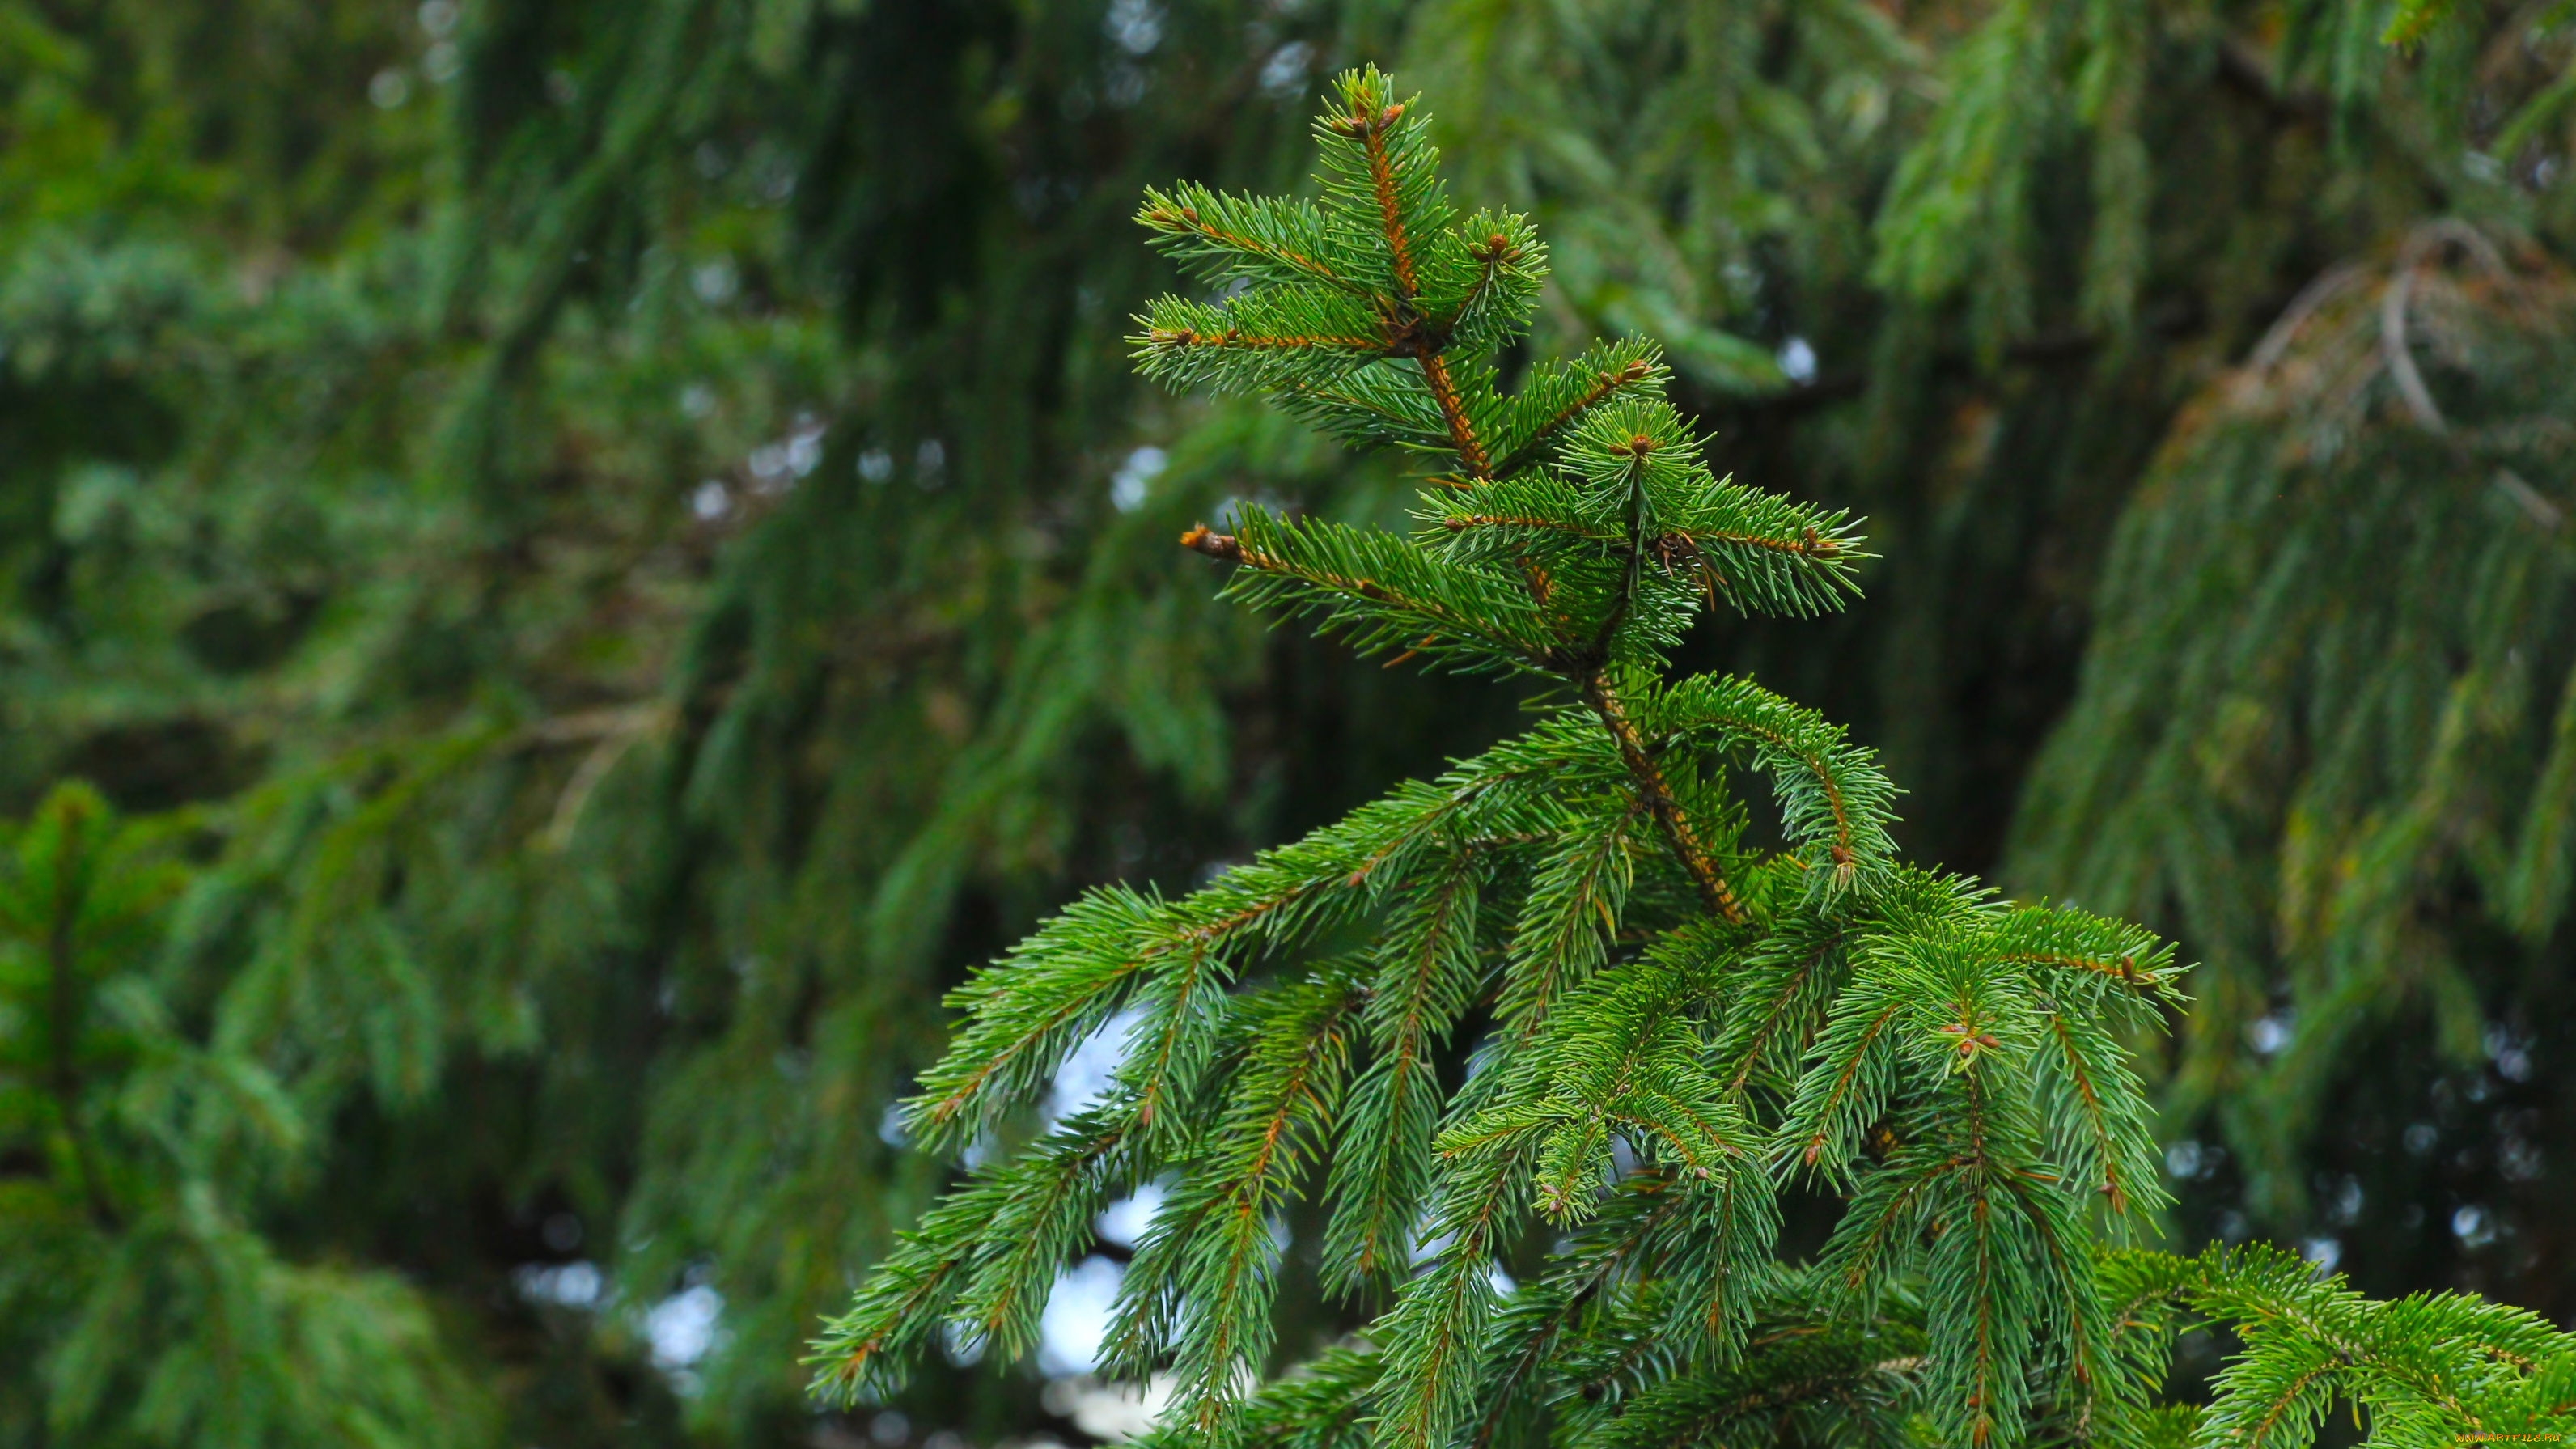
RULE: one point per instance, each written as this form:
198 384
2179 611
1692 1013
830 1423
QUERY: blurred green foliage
140 1302
615 551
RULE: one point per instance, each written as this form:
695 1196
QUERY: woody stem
1658 796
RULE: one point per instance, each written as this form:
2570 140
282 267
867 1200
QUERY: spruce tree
2142 278
587 864
2328 730
1561 1036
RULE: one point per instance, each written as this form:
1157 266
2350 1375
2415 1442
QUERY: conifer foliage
1556 1033
138 1302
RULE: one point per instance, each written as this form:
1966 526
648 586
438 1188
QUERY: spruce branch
906 1300
1401 192
1852 1385
1027 1011
1571 912
1042 1213
1662 1028
1486 276
1427 969
1831 794
2427 1368
1220 237
1275 339
1984 1271
1538 1322
1324 1405
1381 594
1561 394
1784 985
1437 1336
1851 1072
1657 794
1210 1252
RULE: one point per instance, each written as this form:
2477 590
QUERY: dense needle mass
1665 1024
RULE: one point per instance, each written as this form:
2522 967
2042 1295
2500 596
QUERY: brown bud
1220 546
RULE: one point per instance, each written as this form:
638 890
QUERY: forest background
589 559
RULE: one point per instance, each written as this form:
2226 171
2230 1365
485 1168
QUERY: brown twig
1462 433
1409 335
1187 218
1372 133
1589 666
1658 796
1231 337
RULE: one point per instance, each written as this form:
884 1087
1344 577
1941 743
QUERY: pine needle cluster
1557 1032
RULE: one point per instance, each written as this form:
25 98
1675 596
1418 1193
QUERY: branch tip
1220 546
